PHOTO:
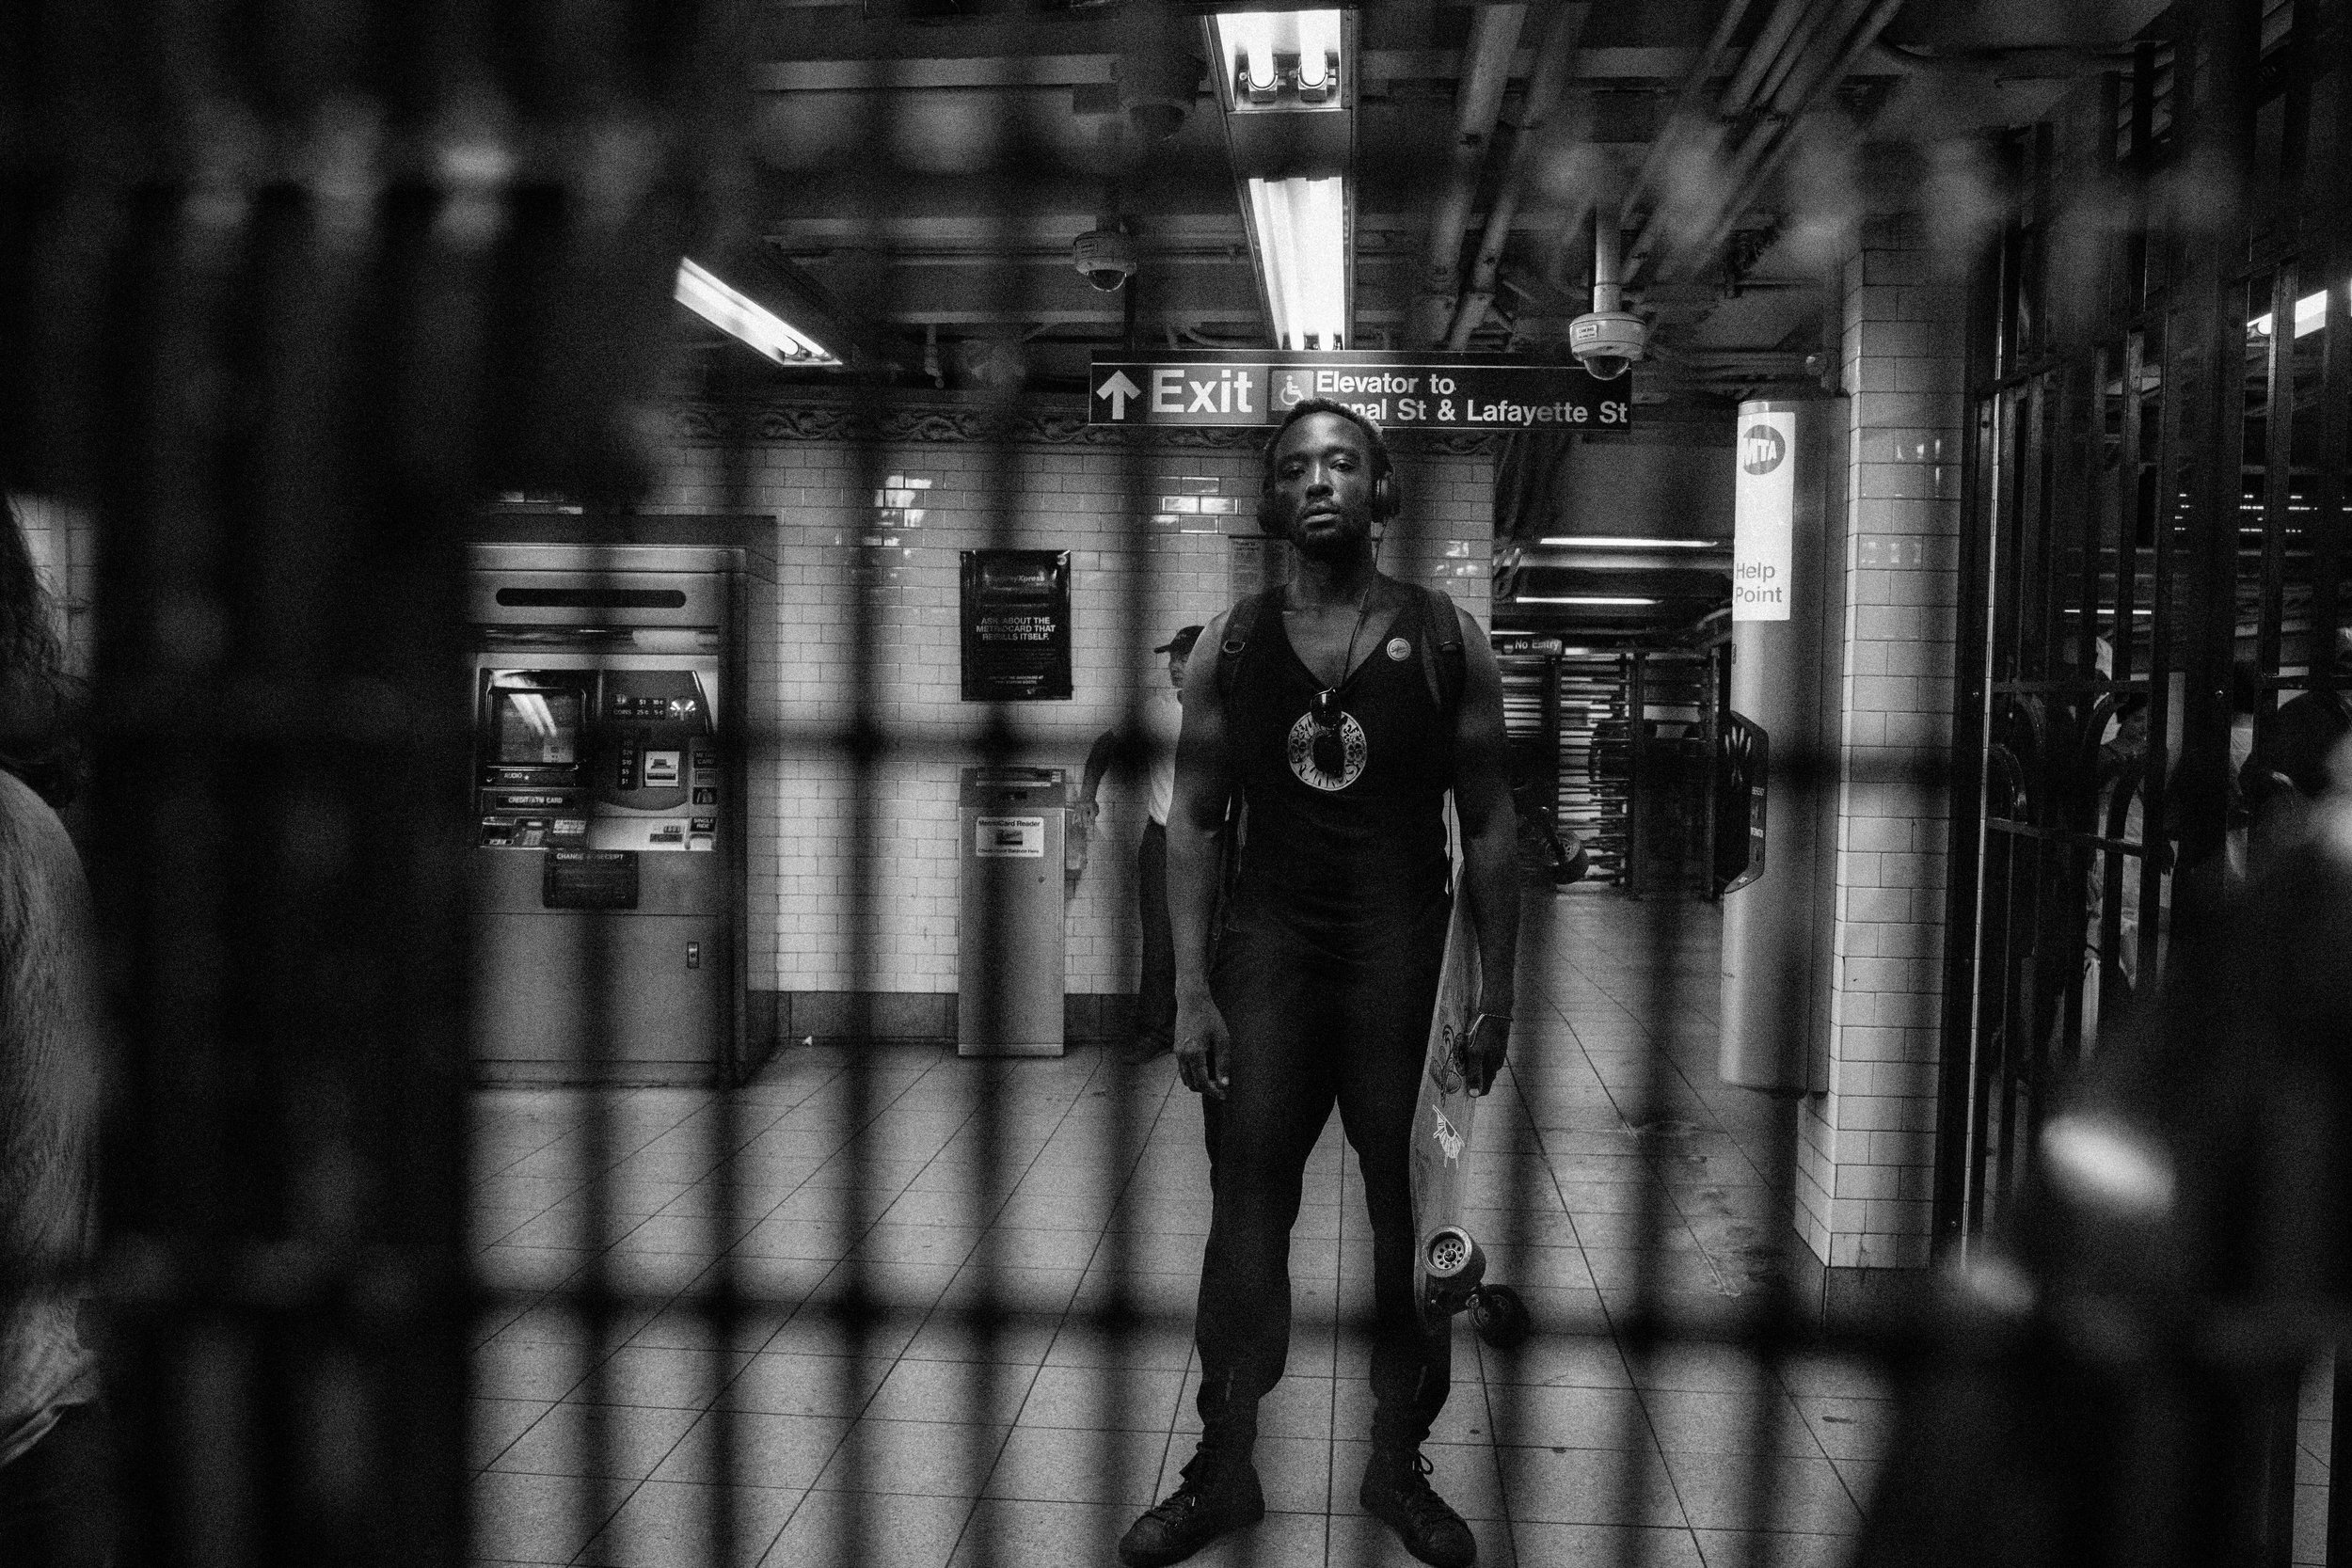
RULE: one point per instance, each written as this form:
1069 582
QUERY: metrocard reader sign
1483 392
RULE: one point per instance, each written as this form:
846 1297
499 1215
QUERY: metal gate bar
286 331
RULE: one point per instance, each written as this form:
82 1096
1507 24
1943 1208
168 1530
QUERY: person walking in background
55 1458
1162 717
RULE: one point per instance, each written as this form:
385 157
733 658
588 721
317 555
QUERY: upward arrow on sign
1119 390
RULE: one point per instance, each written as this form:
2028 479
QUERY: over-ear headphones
1385 500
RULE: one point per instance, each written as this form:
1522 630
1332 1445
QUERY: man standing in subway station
1341 709
1162 718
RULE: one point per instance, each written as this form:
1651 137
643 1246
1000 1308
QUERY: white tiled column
1865 1166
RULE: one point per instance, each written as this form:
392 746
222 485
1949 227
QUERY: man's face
1176 667
1321 485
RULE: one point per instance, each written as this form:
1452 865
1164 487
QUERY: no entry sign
1401 391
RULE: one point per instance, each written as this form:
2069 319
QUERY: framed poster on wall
1016 625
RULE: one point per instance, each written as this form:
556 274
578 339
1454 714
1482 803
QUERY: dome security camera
1105 257
1607 342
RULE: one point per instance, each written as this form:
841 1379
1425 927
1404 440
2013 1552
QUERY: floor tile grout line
565 1397
1093 1074
898 1358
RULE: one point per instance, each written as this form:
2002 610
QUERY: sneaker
1218 1494
1396 1491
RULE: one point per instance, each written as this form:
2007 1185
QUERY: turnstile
612 808
1012 943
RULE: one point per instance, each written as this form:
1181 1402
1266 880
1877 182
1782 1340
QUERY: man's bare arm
1482 801
1196 822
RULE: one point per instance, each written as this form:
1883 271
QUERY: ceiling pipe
1686 105
1546 80
1777 136
1763 54
1837 19
1768 140
1486 73
1689 124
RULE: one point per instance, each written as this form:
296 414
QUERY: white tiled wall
1865 1162
1152 549
64 547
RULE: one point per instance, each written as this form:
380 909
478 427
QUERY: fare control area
597 758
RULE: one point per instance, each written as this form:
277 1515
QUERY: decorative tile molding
716 424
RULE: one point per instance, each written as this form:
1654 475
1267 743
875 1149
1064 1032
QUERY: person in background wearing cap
1163 717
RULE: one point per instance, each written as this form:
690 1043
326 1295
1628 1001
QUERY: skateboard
1449 1268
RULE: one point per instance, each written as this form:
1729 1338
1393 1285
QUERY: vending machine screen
537 728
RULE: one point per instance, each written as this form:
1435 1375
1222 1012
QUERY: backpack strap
1239 626
1444 663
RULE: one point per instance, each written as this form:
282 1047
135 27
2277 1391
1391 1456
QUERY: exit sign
1480 392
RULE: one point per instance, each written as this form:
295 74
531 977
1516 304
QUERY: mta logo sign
1761 449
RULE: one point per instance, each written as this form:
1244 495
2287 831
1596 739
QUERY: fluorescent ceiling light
1621 542
2311 314
1267 52
1577 599
1301 229
745 318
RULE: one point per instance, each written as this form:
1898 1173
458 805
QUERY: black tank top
1355 861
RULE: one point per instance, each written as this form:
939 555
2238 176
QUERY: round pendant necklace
1329 749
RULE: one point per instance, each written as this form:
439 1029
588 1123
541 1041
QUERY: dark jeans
1309 1033
1156 1002
57 1498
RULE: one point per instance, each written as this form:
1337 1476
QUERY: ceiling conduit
1486 73
1819 42
1805 88
1683 121
1546 80
1836 17
1696 134
1740 90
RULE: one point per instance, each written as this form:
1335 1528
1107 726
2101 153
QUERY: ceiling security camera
1105 256
1607 341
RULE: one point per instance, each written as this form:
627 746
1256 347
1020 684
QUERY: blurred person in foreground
1163 719
2110 1372
55 1463
1341 708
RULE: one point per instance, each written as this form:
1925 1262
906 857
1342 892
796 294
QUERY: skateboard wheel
1451 1255
1501 1317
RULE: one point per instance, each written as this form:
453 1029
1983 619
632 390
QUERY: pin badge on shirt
1399 649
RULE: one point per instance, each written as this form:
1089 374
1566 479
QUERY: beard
1333 546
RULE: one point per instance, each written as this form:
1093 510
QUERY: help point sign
1764 510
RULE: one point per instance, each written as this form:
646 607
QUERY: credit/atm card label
1008 838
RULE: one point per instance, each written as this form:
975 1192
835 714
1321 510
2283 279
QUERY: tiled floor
1609 1157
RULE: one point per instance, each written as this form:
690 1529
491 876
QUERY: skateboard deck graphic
1448 1267
1442 1119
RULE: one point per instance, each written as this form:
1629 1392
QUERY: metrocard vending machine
609 866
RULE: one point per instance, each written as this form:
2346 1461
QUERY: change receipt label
1764 506
1019 838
